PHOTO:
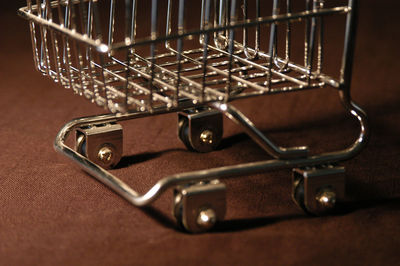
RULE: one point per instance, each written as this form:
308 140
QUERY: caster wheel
101 144
325 200
81 144
205 220
298 195
318 190
200 131
183 133
177 209
197 208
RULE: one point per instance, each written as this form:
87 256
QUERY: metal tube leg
217 173
265 143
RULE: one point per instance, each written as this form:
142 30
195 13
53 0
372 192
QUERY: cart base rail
188 178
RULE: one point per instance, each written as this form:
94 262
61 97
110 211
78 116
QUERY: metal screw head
326 199
207 218
207 137
105 154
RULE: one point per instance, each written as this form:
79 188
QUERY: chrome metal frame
66 52
217 173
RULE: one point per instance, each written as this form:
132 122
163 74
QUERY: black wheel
202 137
184 133
81 145
325 200
178 210
298 195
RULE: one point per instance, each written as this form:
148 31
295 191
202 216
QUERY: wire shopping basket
140 58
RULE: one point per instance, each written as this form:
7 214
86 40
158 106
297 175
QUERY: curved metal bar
98 172
220 19
361 116
251 130
256 49
162 185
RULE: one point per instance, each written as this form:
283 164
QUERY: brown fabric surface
53 213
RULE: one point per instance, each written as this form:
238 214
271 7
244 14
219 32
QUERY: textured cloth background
53 213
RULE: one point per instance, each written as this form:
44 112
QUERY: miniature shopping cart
141 58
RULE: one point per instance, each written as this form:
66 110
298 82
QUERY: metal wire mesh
137 55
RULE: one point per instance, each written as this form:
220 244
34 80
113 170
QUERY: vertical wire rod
99 36
54 46
66 52
320 40
33 37
181 18
205 48
111 23
245 33
233 19
154 19
78 53
272 43
168 24
311 44
89 56
44 56
288 31
220 19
